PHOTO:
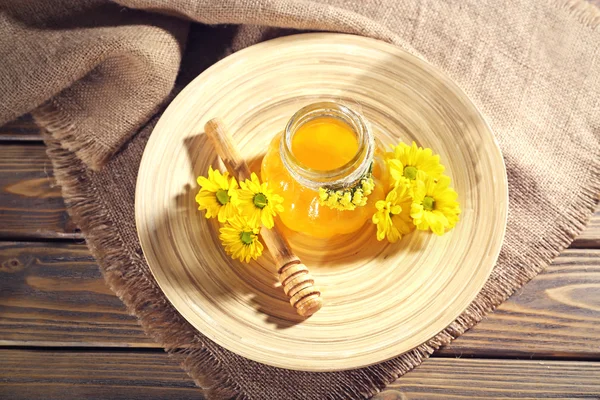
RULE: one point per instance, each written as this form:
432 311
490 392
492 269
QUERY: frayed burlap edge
50 116
161 322
138 292
586 13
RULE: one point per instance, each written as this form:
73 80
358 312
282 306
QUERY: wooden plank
31 205
22 129
557 314
590 237
448 378
43 374
52 294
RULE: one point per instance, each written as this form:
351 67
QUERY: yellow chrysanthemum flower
358 198
393 215
367 185
258 203
328 198
323 194
406 161
218 195
240 239
434 204
347 199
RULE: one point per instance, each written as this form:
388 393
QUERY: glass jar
324 145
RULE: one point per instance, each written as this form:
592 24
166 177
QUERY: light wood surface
380 300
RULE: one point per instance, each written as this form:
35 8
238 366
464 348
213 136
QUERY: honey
324 145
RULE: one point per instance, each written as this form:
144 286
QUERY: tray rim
331 35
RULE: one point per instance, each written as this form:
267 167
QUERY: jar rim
345 175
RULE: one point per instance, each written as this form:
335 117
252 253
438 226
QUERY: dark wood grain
447 379
35 374
22 129
557 314
31 205
52 294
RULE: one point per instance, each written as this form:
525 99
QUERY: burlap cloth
94 73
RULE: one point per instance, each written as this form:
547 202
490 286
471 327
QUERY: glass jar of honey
324 145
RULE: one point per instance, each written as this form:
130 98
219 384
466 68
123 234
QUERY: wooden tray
380 300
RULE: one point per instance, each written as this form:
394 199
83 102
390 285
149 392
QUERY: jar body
302 211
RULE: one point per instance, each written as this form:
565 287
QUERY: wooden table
65 335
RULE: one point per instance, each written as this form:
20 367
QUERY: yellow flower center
260 200
247 237
222 196
410 172
428 203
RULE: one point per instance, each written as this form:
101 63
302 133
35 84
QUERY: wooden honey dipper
295 278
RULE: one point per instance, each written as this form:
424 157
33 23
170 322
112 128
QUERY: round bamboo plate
380 300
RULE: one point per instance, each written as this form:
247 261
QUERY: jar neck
337 179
